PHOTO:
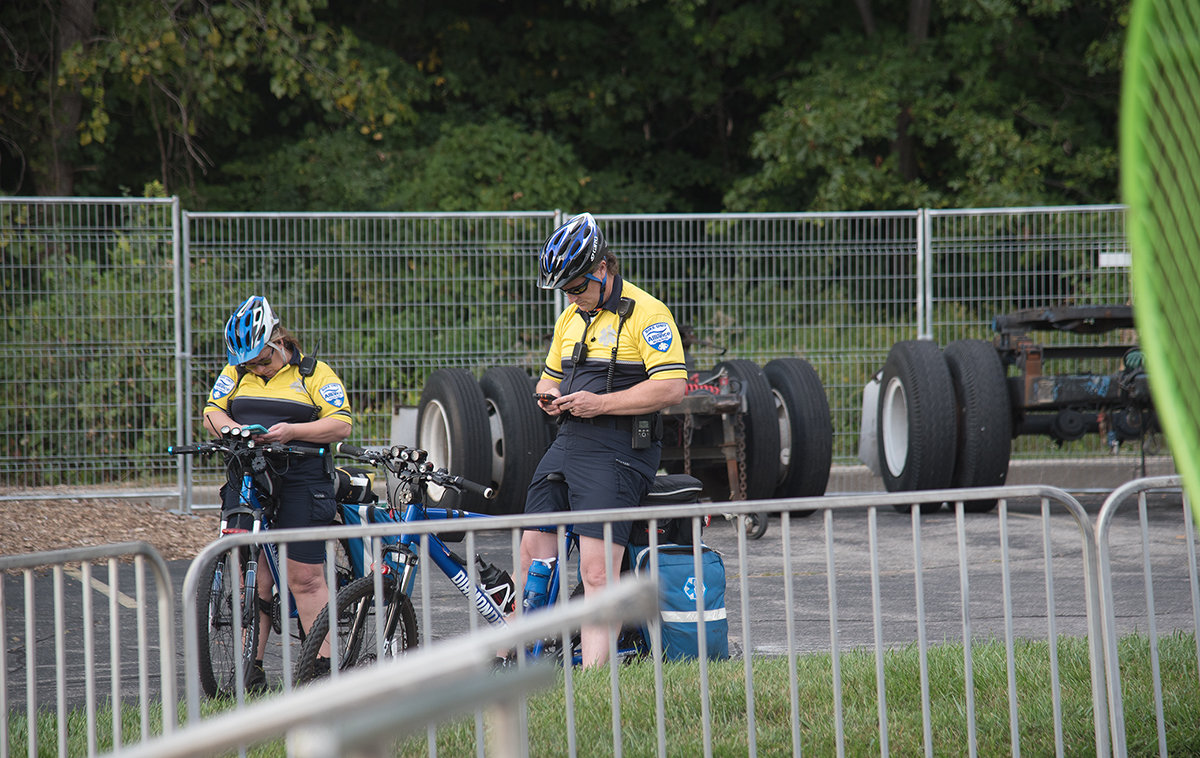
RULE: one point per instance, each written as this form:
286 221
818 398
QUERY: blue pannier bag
677 589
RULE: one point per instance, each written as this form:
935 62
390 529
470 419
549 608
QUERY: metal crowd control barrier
365 710
876 579
972 553
1159 564
74 650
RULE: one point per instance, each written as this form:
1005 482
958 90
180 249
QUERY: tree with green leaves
964 104
167 87
609 105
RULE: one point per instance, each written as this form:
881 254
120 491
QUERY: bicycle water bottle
537 583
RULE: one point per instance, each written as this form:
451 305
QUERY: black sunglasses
579 289
261 362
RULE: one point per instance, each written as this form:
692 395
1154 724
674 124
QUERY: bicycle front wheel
218 595
358 632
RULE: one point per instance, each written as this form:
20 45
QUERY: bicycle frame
248 500
400 553
402 556
440 554
245 461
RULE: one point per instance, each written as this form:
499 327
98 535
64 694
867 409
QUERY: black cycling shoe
320 668
256 679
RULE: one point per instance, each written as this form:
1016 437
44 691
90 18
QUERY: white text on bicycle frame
483 603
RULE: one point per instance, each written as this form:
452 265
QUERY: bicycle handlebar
445 479
349 451
184 449
412 462
234 445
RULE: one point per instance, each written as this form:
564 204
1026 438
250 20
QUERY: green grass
547 719
547 732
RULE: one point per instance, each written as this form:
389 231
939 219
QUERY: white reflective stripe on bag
690 616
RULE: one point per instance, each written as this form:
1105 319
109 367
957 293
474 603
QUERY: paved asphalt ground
761 571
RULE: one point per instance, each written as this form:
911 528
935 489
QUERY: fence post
184 314
924 276
182 477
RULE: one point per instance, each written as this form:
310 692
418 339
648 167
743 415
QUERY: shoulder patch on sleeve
659 336
223 387
334 394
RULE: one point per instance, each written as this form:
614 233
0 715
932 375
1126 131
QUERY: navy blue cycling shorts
601 470
305 499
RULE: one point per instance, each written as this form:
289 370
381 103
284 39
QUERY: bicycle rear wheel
358 631
343 567
216 598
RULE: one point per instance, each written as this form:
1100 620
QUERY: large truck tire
452 425
519 434
983 418
761 427
805 429
916 421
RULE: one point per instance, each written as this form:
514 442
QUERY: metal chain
739 426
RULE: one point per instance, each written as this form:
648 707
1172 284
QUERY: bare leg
593 639
307 583
264 618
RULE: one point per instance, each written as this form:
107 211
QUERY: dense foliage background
609 105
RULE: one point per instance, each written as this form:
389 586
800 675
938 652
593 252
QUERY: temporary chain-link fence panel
95 288
984 263
383 298
88 310
834 289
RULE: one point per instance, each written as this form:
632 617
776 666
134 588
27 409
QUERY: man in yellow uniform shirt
616 359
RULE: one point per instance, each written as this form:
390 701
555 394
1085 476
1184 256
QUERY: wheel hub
894 427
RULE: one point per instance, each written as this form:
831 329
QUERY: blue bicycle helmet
572 250
249 330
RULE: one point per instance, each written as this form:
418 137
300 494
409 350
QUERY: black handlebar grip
351 451
486 492
180 449
306 450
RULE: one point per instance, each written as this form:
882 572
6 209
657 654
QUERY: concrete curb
1070 474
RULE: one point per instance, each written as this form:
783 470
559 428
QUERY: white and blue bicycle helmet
572 250
249 329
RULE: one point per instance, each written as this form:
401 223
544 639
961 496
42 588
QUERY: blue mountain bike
361 637
227 601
